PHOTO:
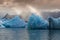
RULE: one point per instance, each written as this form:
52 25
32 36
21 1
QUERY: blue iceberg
1 26
36 21
54 22
15 22
1 22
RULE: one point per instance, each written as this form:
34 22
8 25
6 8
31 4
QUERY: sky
39 4
24 6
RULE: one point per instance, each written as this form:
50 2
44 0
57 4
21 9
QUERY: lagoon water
24 34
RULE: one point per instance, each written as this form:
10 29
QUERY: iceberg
1 22
15 22
1 26
54 22
36 21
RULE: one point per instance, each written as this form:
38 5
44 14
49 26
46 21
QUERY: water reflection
13 34
55 35
24 34
38 34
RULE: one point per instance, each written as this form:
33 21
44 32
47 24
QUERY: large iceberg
36 21
54 22
15 22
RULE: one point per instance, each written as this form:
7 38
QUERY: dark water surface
24 34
